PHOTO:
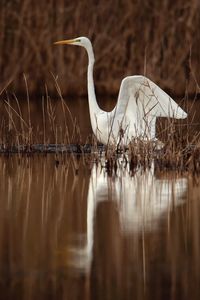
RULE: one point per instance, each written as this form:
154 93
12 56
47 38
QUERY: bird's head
80 41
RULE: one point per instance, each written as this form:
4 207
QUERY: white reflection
142 201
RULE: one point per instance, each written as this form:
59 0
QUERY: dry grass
53 128
22 125
157 38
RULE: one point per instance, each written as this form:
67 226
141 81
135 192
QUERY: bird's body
139 103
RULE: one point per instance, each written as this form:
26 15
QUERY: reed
53 128
155 38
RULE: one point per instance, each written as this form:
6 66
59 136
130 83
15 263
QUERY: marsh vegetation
156 38
55 125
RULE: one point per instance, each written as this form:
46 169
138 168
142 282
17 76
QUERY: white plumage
139 103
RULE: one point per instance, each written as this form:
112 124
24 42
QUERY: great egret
139 102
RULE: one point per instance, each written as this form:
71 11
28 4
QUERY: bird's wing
147 96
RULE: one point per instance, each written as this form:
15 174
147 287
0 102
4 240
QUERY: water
86 235
70 230
55 121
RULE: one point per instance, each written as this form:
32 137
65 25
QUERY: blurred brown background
158 38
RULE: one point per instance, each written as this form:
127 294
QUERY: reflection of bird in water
140 101
141 201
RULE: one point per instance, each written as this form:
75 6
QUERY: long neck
93 106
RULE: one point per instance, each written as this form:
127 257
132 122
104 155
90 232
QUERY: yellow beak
64 42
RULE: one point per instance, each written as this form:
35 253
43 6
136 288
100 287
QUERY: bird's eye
78 41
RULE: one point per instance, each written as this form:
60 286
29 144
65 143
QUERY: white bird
139 103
